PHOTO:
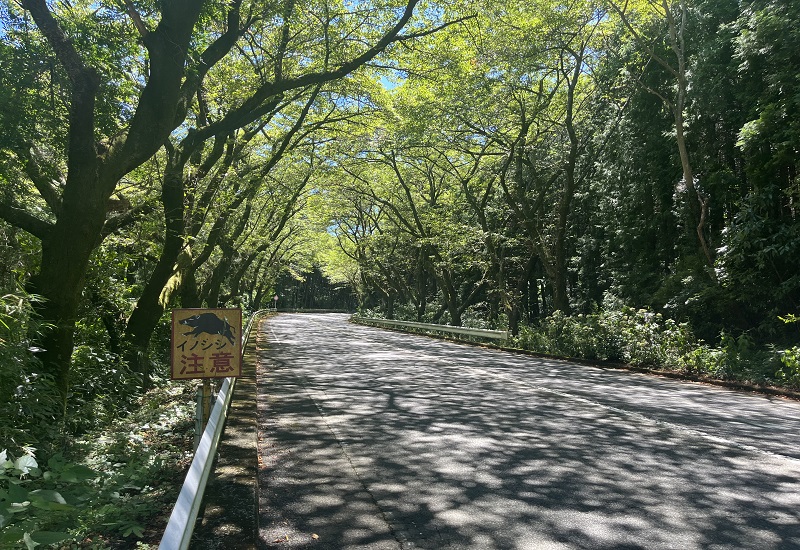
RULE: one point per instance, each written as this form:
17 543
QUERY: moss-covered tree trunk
93 169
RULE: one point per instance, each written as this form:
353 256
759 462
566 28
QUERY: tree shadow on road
425 451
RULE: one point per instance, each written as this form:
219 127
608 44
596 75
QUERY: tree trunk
92 177
189 291
422 285
696 203
533 311
236 279
522 292
560 296
69 244
390 305
149 309
211 290
65 261
450 296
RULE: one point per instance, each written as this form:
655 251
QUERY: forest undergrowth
111 488
109 474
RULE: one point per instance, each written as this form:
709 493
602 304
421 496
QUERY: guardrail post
205 400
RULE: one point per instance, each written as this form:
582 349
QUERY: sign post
206 343
275 300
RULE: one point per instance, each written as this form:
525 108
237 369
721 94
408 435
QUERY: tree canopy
450 162
614 180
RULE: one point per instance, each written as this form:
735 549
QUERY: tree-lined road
375 439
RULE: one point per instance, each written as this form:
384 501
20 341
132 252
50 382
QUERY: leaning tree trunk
213 287
149 308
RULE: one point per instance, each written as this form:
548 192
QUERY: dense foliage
540 162
607 180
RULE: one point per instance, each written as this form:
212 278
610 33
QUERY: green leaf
137 530
56 462
17 494
45 499
77 472
49 537
10 535
52 506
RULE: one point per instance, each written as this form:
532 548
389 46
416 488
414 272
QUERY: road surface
374 439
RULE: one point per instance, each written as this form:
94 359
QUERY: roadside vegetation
110 488
606 180
624 336
645 339
110 474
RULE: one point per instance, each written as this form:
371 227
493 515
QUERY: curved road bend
373 439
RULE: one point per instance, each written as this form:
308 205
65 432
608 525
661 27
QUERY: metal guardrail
476 332
303 310
179 530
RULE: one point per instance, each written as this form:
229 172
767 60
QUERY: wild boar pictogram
208 323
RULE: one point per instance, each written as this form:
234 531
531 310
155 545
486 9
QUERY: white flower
25 463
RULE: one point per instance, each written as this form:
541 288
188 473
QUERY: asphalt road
375 439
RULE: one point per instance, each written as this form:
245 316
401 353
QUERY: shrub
643 338
38 506
789 372
637 337
105 387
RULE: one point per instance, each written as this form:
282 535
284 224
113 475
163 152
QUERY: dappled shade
371 435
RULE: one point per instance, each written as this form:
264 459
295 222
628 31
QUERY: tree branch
158 106
278 87
210 57
118 221
428 32
136 18
31 160
62 46
25 220
638 37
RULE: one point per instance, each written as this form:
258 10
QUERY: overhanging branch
25 220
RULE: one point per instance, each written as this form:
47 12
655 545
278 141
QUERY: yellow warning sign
206 343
